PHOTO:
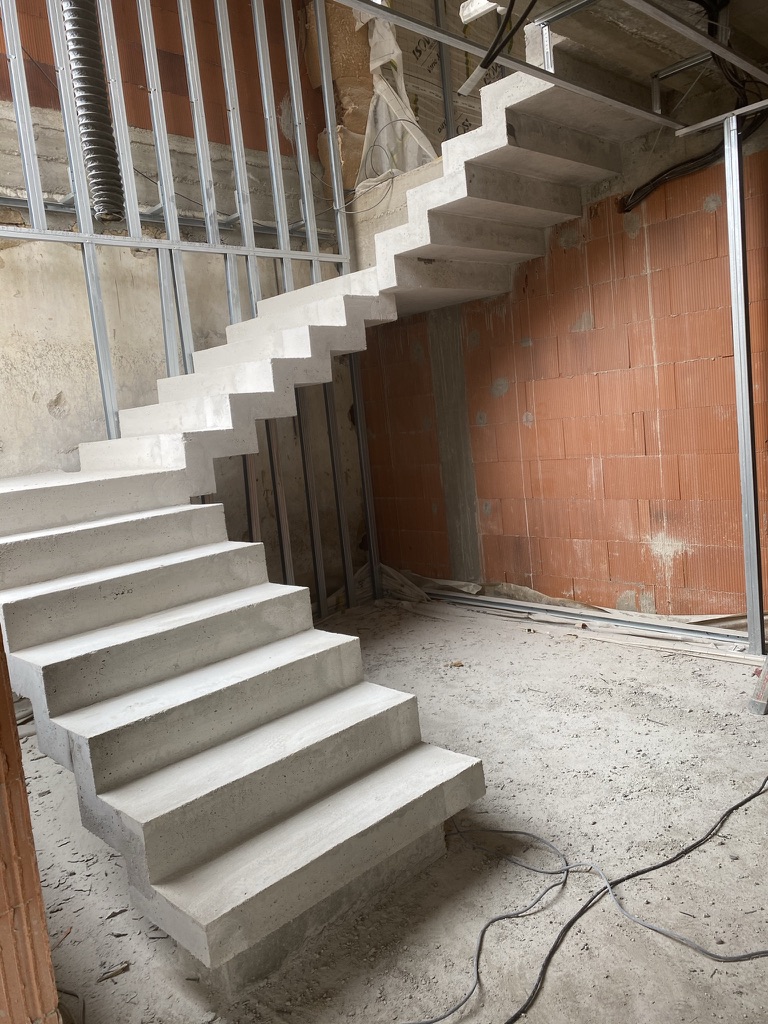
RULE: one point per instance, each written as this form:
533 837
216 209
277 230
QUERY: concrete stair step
507 197
190 451
221 412
50 500
363 283
80 670
279 400
418 283
242 377
337 308
238 898
42 612
454 236
302 342
135 733
190 811
50 553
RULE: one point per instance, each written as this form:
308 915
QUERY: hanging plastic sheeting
394 142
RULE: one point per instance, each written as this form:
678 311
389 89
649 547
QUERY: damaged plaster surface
618 755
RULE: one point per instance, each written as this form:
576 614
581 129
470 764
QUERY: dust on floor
619 756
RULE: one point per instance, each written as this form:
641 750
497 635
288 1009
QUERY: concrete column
27 986
454 444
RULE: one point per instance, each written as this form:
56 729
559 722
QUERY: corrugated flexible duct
81 24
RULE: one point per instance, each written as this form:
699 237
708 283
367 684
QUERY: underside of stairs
234 754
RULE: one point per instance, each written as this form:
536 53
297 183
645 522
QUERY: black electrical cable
495 49
503 25
598 895
608 887
698 163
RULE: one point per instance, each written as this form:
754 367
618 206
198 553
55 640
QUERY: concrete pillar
27 986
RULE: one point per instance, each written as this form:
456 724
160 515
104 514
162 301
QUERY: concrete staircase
231 752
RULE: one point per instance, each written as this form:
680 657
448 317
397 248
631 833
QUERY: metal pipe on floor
737 258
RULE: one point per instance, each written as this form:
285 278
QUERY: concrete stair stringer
179 685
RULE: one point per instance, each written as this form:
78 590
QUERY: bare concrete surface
619 756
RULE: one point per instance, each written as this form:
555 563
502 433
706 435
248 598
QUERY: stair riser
254 920
116 757
46 508
362 283
41 619
127 666
192 834
240 379
36 559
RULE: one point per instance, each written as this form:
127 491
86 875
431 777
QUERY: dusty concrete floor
620 756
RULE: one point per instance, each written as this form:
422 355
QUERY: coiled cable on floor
94 116
606 889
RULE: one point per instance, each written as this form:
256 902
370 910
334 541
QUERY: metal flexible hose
81 24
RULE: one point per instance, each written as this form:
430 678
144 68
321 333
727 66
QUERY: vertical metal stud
250 478
737 253
281 506
84 219
310 490
169 315
273 138
24 125
337 469
199 126
445 75
165 177
300 133
239 164
233 288
334 156
119 117
365 474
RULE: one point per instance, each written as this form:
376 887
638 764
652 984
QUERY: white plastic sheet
394 142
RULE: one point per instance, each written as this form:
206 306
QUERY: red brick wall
41 75
601 405
27 986
402 438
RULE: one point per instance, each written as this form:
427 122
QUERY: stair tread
178 784
70 529
40 481
137 705
209 891
114 572
71 647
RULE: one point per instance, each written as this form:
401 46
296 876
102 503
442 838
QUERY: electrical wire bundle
740 84
502 39
607 888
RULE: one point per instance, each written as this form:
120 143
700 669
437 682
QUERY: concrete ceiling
619 39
